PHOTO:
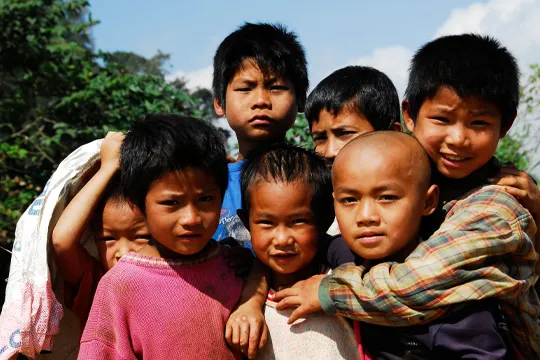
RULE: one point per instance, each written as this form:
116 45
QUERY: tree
56 94
137 64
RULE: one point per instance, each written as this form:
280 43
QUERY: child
350 102
382 189
260 83
118 229
461 99
173 297
287 196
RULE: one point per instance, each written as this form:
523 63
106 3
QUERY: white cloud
393 61
201 78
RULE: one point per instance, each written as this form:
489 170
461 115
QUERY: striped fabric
484 249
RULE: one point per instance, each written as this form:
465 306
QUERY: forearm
255 289
537 241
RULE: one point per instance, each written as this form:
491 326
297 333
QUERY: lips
260 120
283 256
454 158
370 238
189 236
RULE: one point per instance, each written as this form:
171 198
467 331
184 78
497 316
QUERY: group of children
400 240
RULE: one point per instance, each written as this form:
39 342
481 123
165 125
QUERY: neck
159 251
246 147
282 281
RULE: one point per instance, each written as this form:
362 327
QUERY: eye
299 221
480 123
347 200
279 88
168 202
264 223
146 237
242 89
388 198
346 133
441 119
106 238
206 199
318 138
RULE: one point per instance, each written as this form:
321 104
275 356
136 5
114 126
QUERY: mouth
283 257
189 236
260 120
370 238
454 158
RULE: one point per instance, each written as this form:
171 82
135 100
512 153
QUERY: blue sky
383 34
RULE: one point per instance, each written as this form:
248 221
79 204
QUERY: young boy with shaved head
382 189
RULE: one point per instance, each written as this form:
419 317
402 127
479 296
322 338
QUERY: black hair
471 65
360 89
164 143
289 163
275 50
113 193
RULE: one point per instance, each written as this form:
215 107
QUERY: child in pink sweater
172 299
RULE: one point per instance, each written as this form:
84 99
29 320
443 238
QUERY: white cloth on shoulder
31 312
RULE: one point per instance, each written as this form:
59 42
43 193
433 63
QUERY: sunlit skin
182 213
258 108
380 195
459 134
120 230
283 230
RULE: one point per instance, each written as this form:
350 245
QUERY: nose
190 217
282 237
367 214
457 135
333 146
261 98
123 247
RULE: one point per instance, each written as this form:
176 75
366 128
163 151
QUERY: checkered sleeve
483 249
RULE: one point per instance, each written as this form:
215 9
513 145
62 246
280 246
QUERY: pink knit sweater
162 309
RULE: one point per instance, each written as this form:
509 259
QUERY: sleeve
483 249
338 253
107 332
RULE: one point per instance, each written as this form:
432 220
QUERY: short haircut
469 64
113 193
359 89
273 48
286 163
164 143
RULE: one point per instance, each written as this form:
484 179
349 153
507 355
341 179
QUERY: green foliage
56 94
510 150
299 133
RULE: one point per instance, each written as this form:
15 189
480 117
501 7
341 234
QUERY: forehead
446 99
250 70
345 118
282 196
184 180
117 212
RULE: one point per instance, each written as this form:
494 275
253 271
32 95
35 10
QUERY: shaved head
391 148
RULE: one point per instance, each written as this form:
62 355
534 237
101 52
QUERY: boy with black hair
287 198
350 102
260 83
461 99
179 286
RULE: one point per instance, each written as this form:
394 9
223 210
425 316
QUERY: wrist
109 169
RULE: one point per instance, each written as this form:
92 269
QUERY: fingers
298 313
228 334
282 294
264 336
519 194
244 334
288 302
256 331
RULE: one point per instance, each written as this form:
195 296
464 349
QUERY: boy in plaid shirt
462 97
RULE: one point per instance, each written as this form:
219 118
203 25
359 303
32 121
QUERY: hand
304 294
240 259
520 185
110 150
246 329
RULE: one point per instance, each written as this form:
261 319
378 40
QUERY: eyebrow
482 112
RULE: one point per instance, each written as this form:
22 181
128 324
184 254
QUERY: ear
431 201
407 118
220 111
507 126
243 215
396 127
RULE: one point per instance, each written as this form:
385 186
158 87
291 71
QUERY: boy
462 97
286 193
173 297
260 83
118 229
382 189
348 103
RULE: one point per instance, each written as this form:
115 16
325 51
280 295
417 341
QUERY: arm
246 329
520 185
483 249
70 256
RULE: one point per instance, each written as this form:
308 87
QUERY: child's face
283 231
331 132
459 134
379 203
122 230
258 108
182 211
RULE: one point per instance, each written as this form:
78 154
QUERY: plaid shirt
484 249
